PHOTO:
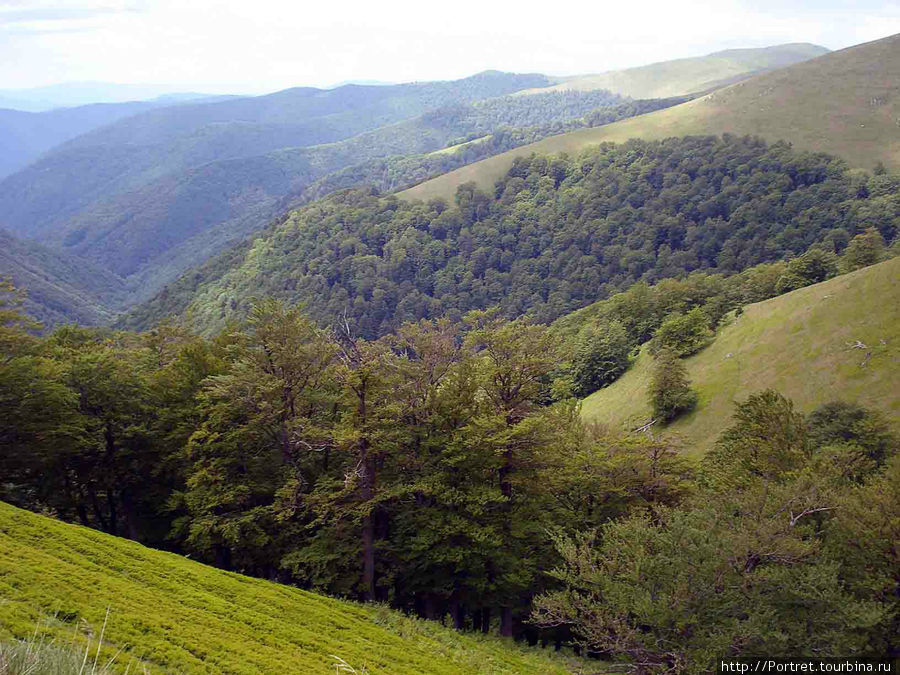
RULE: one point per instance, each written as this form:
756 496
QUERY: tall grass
39 656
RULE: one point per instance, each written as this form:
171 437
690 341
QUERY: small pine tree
670 389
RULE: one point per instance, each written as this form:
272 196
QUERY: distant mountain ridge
72 94
25 136
691 75
845 103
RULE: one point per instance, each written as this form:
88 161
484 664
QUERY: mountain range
151 195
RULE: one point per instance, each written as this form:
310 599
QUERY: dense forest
488 137
555 235
444 469
151 232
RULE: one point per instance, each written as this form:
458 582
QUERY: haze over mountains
73 94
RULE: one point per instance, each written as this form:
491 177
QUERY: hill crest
845 103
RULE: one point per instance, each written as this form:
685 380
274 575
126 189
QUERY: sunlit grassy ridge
176 615
687 76
845 103
798 344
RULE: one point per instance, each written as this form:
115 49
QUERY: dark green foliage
670 390
864 536
814 266
768 439
600 355
780 556
856 439
680 589
556 234
866 248
683 334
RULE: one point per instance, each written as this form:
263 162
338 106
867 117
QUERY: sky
255 46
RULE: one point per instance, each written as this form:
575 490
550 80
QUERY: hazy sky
264 45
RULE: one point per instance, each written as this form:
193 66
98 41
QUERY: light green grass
176 615
686 76
796 344
845 103
459 146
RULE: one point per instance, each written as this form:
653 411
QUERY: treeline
443 469
423 469
683 315
554 235
493 136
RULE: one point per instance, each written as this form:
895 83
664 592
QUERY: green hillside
152 196
686 76
846 103
556 236
797 344
176 615
61 288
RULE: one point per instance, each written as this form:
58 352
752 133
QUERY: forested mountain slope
24 136
802 344
125 156
687 76
555 235
171 614
153 233
158 192
61 288
846 103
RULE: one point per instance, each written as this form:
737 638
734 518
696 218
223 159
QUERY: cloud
22 14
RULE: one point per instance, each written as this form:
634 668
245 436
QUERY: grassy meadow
689 75
170 614
798 344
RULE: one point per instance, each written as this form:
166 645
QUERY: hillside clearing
800 344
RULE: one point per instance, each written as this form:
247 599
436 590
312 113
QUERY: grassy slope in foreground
796 344
846 103
690 75
182 616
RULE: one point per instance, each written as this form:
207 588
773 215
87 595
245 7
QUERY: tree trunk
98 512
486 620
128 514
366 494
430 607
506 621
111 505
